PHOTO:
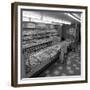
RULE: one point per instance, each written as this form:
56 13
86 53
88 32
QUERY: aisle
70 67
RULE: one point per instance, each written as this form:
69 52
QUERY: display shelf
36 31
42 58
41 37
38 25
37 43
37 48
28 25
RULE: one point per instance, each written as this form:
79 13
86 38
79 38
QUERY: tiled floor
70 67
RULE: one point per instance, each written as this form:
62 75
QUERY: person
63 51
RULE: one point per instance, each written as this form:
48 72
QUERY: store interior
50 43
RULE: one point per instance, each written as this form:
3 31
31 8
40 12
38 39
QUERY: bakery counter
40 59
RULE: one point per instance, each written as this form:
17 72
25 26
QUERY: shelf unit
36 36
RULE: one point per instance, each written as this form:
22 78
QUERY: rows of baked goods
40 59
39 45
35 25
36 36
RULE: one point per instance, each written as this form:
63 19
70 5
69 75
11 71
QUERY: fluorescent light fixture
73 17
76 16
31 14
40 21
51 22
25 19
62 21
48 20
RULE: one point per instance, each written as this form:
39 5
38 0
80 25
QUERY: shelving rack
36 36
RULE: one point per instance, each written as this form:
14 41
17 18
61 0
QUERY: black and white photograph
51 44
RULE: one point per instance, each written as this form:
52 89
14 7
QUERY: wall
69 32
5 46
